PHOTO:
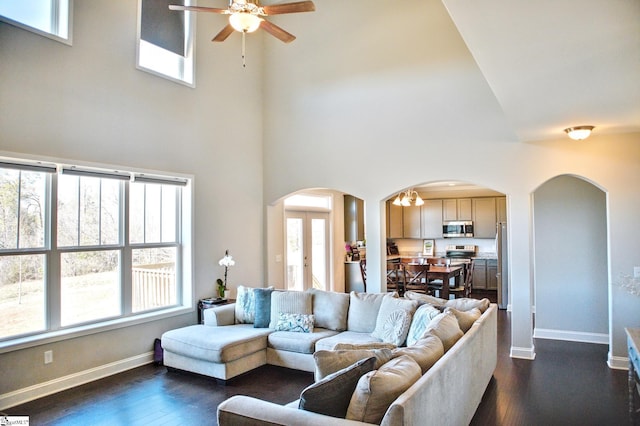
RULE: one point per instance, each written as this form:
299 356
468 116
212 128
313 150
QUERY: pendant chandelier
405 198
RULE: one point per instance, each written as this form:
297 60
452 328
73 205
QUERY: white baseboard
30 393
523 353
571 336
618 362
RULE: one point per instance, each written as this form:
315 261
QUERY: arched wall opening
571 260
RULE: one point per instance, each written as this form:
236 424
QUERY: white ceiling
553 64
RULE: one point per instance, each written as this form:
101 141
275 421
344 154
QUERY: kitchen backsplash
413 247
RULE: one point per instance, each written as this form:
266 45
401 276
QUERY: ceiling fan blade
197 8
224 33
277 32
295 7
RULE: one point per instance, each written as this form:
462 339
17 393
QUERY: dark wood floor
567 384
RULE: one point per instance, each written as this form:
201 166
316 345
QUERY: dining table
445 273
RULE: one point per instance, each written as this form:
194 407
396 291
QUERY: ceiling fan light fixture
579 133
244 22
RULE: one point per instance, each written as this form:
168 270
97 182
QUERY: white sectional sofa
307 328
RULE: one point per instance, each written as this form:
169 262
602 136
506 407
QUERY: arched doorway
571 284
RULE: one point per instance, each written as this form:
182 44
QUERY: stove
460 252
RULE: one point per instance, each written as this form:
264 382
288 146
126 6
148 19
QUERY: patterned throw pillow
301 323
421 319
245 305
394 319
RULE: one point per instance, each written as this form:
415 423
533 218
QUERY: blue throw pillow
263 307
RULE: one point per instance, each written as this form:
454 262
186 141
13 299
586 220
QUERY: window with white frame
51 18
82 246
165 40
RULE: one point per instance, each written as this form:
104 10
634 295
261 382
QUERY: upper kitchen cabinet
484 217
501 205
411 218
432 219
394 221
456 209
353 218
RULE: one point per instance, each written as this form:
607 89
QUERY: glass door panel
307 250
295 252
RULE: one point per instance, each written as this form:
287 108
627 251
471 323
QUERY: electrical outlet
48 357
636 272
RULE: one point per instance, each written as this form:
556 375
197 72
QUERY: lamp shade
244 22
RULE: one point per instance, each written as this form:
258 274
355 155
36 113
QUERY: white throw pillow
376 390
363 311
421 319
394 320
425 298
289 302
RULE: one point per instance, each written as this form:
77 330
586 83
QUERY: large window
82 246
51 18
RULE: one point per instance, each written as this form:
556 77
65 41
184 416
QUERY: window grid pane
154 278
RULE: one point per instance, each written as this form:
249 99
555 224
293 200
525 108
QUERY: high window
165 40
80 247
51 18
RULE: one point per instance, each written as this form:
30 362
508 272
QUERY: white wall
88 104
367 112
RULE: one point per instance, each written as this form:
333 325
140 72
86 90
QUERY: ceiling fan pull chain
244 64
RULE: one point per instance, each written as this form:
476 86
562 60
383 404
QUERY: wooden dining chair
464 290
395 277
416 277
435 285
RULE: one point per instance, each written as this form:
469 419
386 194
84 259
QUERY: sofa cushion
466 304
394 319
290 302
363 311
330 309
446 327
328 362
331 396
245 308
304 343
263 307
465 318
421 319
216 344
377 389
299 323
425 298
426 351
350 337
358 346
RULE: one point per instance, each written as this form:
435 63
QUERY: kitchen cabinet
501 207
492 274
432 219
485 273
484 217
353 218
456 209
479 274
411 218
394 221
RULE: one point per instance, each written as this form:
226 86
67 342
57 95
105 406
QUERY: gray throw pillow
262 301
331 396
330 309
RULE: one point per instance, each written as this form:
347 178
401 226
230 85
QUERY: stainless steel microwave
457 229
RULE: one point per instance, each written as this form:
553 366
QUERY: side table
208 303
633 344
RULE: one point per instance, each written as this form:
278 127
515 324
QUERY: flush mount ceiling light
405 198
579 133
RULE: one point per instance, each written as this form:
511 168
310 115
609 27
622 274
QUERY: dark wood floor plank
567 384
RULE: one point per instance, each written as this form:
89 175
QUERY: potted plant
227 261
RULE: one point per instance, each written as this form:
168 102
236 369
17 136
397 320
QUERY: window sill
85 330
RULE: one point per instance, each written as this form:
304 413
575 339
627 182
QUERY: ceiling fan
246 16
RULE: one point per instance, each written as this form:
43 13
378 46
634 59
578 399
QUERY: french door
307 250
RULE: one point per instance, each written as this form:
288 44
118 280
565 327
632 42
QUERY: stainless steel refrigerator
503 265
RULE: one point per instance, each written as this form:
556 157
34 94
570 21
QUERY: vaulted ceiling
553 64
